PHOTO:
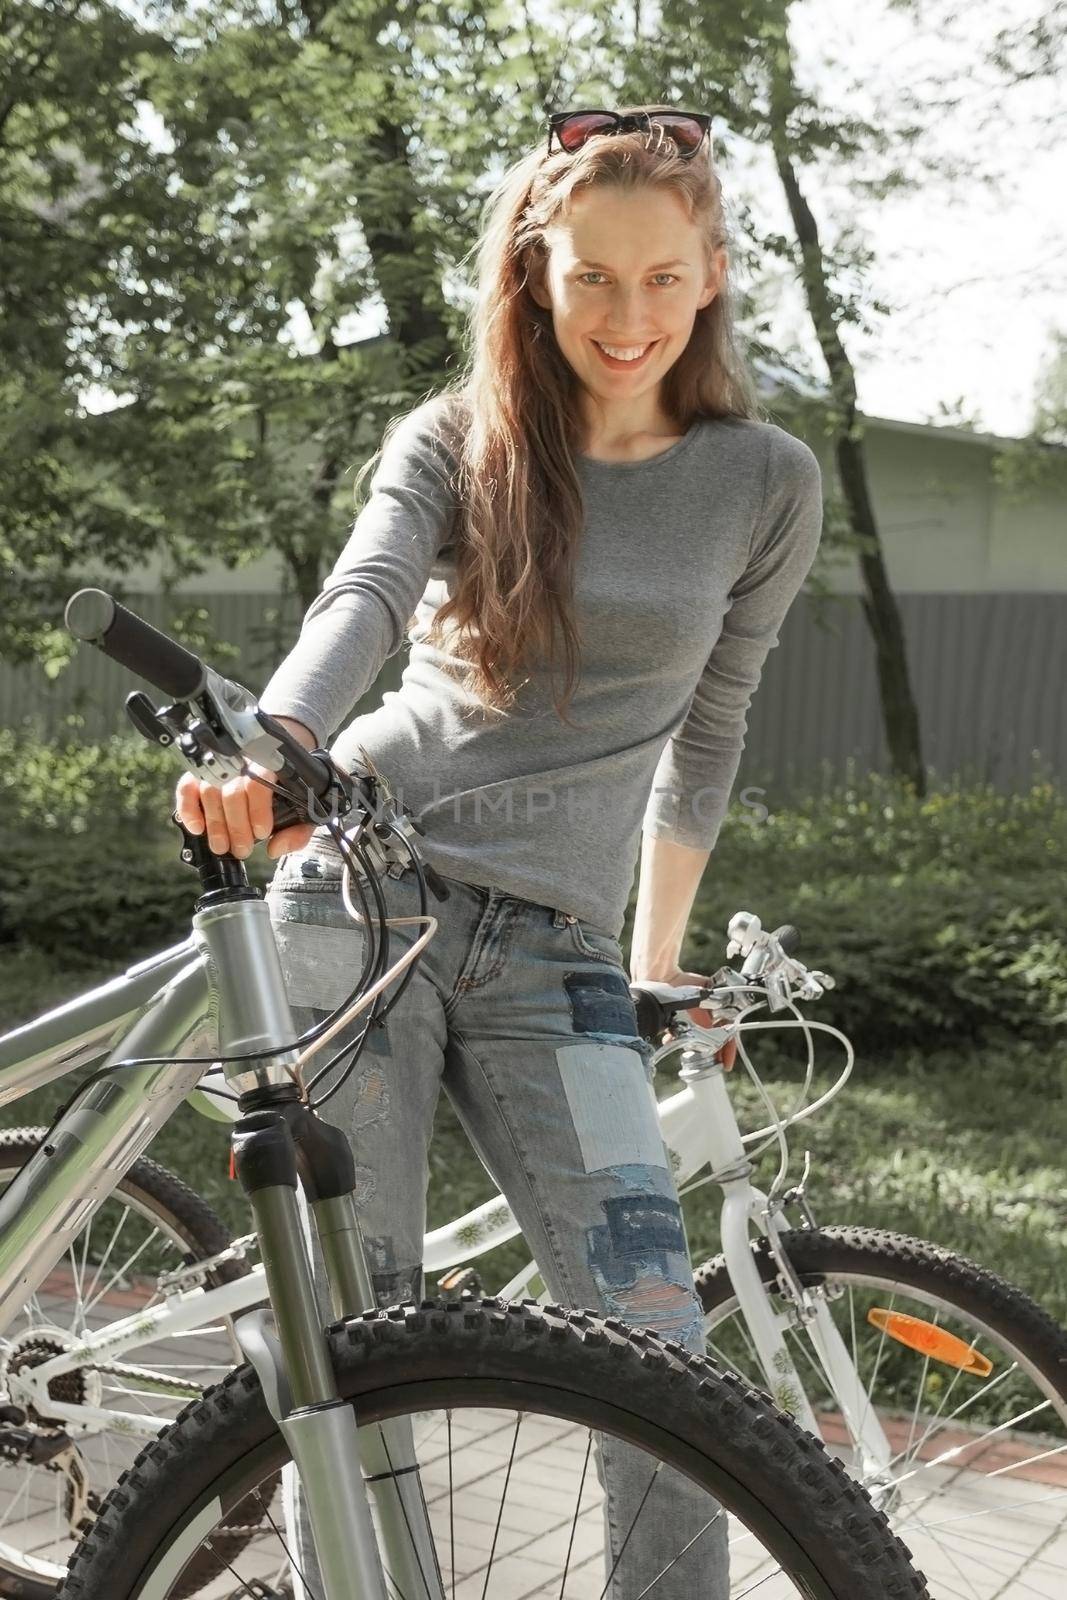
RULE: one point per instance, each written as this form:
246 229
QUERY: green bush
90 867
939 919
75 786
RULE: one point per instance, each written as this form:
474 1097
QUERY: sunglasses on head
688 129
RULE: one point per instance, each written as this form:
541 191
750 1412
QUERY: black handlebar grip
651 1016
95 617
788 938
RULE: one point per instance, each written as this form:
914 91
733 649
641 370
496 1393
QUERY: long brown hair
515 406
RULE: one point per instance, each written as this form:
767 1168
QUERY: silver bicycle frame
699 1126
228 977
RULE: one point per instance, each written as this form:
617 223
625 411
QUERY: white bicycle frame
699 1128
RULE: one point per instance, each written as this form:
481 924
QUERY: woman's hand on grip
240 813
702 1016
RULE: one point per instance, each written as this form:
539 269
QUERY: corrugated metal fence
990 673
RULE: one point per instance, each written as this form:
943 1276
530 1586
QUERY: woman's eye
670 276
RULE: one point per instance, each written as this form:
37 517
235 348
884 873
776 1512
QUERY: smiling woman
597 490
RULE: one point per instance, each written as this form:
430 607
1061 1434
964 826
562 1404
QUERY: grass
961 1147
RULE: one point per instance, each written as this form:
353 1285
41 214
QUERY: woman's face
626 270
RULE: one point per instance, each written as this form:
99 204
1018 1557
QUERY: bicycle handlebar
99 619
226 720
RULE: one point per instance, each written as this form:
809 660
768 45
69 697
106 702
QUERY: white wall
947 527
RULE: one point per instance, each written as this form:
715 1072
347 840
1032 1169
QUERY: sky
971 269
976 273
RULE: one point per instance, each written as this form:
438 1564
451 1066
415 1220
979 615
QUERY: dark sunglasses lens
685 131
573 133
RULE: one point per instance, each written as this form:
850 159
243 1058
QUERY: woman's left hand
700 1015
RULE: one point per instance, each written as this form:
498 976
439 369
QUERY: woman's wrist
656 969
300 733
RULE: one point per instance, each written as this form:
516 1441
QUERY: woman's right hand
240 813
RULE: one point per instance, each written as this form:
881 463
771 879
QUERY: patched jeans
523 1015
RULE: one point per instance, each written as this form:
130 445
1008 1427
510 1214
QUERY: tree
1049 421
72 171
325 160
311 161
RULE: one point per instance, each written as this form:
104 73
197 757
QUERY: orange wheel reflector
930 1340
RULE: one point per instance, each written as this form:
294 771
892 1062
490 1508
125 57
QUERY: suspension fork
387 1449
340 1465
813 1312
744 1208
279 1144
741 1208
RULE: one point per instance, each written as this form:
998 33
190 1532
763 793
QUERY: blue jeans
523 1015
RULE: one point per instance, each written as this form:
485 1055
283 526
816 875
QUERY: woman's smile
623 358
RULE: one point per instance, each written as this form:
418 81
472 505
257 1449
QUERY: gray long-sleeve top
688 564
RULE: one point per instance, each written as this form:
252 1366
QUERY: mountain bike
403 1424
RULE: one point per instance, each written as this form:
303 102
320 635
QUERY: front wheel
965 1373
507 1402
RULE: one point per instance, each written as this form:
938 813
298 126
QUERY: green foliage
90 868
951 1126
962 1146
74 786
173 191
958 1145
940 919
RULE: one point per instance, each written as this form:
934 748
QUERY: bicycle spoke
123 1270
675 1559
728 1364
919 1390
951 1454
451 1508
127 1242
22 1494
503 1497
953 1432
960 1409
1011 1506
874 1375
398 1491
577 1509
1016 1466
943 1546
629 1532
115 1232
245 1587
752 1587
85 1248
288 1553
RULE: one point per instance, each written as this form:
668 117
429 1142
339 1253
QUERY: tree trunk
899 711
413 299
412 296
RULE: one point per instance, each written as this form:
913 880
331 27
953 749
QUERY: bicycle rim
976 1422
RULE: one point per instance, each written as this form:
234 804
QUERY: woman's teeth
629 353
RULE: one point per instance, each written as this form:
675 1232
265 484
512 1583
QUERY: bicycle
351 1407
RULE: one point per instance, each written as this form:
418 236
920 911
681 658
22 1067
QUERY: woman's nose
628 312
